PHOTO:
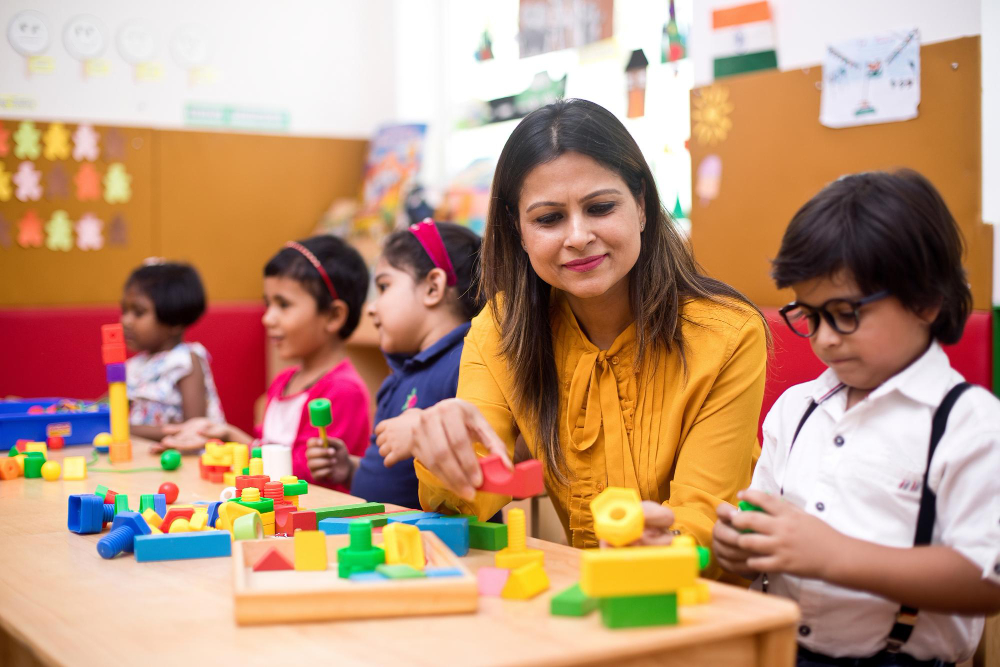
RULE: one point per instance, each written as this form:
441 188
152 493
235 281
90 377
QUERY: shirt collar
399 362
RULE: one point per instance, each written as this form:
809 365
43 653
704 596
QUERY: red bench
57 352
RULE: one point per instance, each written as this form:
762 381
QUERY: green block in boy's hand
744 506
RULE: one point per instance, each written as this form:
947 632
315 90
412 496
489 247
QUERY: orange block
9 468
120 452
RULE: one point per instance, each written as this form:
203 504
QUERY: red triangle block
272 560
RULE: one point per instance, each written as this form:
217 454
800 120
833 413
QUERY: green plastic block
744 506
35 455
572 602
320 412
101 491
121 503
377 521
246 471
487 536
264 505
704 557
360 556
639 611
255 453
399 571
298 488
13 451
33 466
146 502
341 511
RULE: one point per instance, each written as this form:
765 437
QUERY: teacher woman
602 345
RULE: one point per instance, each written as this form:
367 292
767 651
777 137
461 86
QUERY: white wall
329 65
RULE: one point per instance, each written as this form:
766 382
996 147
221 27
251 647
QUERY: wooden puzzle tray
288 595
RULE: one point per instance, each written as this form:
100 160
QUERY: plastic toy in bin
38 419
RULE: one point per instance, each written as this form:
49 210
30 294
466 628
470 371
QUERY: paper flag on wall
88 183
60 232
29 230
57 183
26 138
117 184
89 232
28 181
743 39
114 145
4 232
118 231
6 190
4 140
85 144
56 142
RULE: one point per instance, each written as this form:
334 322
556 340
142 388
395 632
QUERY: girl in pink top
314 291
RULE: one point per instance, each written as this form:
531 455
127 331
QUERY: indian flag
743 39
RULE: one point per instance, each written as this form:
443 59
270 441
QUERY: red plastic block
215 477
302 520
112 334
113 353
109 497
272 560
282 522
525 481
175 513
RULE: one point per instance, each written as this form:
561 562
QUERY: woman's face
580 225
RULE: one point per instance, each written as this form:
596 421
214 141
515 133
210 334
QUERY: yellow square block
20 462
509 559
637 570
403 545
199 521
269 529
229 478
525 582
229 512
267 518
75 467
37 447
153 520
310 550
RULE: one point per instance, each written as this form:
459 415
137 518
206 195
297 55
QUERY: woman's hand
331 464
442 438
725 543
656 531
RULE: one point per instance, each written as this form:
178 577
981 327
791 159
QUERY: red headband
315 262
430 238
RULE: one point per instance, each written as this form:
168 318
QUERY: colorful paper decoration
4 140
88 183
636 73
118 231
4 232
673 44
6 191
743 39
29 230
85 143
26 139
28 181
710 122
485 49
114 145
59 229
89 232
56 142
57 182
709 178
117 184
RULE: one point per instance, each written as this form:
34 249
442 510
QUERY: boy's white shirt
869 488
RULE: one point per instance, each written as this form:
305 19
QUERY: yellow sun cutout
710 121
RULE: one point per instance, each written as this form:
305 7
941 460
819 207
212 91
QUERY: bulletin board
763 142
225 202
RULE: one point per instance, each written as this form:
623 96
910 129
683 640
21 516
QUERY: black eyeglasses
841 314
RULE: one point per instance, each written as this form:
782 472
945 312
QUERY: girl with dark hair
603 347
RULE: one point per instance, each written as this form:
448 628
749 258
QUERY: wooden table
62 604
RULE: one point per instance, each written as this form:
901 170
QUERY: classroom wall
991 127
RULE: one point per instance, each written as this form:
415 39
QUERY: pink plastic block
525 481
492 581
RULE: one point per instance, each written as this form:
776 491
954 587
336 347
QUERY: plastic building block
9 468
199 521
256 467
572 602
118 403
491 581
704 554
618 517
271 560
399 571
255 453
745 506
170 491
33 467
262 506
121 503
692 595
213 513
403 545
368 576
453 532
487 536
74 468
101 491
145 503
282 525
248 527
86 513
124 529
411 517
241 456
302 520
160 504
516 553
632 571
51 471
229 512
179 525
298 488
338 526
120 452
209 544
639 611
320 416
431 571
173 514
112 334
310 550
153 520
20 463
523 482
349 510
36 447
360 555
113 353
525 582
56 442
109 497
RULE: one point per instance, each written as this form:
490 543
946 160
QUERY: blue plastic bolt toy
122 536
87 513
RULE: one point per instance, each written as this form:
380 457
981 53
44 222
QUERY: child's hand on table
191 436
331 464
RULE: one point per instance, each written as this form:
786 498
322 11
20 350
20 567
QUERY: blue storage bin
76 428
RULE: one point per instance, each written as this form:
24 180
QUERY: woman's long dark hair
663 277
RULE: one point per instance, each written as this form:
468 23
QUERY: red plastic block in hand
525 481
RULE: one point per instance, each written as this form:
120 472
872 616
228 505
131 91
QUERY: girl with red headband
314 291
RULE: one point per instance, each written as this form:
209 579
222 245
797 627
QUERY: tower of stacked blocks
113 355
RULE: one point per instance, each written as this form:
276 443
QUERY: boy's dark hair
403 251
890 232
344 265
175 289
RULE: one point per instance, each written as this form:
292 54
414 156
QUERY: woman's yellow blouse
685 436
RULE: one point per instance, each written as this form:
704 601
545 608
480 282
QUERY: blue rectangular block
181 546
335 526
160 504
366 576
432 571
411 518
453 532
